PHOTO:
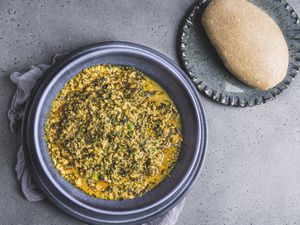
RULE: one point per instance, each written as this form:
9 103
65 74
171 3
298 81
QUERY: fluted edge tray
207 71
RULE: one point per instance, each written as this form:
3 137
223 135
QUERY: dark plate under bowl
155 202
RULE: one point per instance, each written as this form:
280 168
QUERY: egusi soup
113 132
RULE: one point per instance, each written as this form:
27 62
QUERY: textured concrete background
252 171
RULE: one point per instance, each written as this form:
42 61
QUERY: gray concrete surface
252 171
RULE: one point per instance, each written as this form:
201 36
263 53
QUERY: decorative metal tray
207 71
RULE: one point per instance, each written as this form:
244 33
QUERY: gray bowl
164 196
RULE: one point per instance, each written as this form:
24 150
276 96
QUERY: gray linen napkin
25 82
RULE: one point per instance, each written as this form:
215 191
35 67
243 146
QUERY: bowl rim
34 108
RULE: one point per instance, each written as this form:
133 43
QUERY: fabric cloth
24 84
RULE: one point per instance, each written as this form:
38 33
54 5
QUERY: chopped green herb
130 126
95 176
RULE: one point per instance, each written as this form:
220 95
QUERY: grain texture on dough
249 42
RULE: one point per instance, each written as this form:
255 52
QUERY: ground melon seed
113 132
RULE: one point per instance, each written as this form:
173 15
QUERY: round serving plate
161 198
207 71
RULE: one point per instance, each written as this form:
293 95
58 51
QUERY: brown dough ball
249 42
